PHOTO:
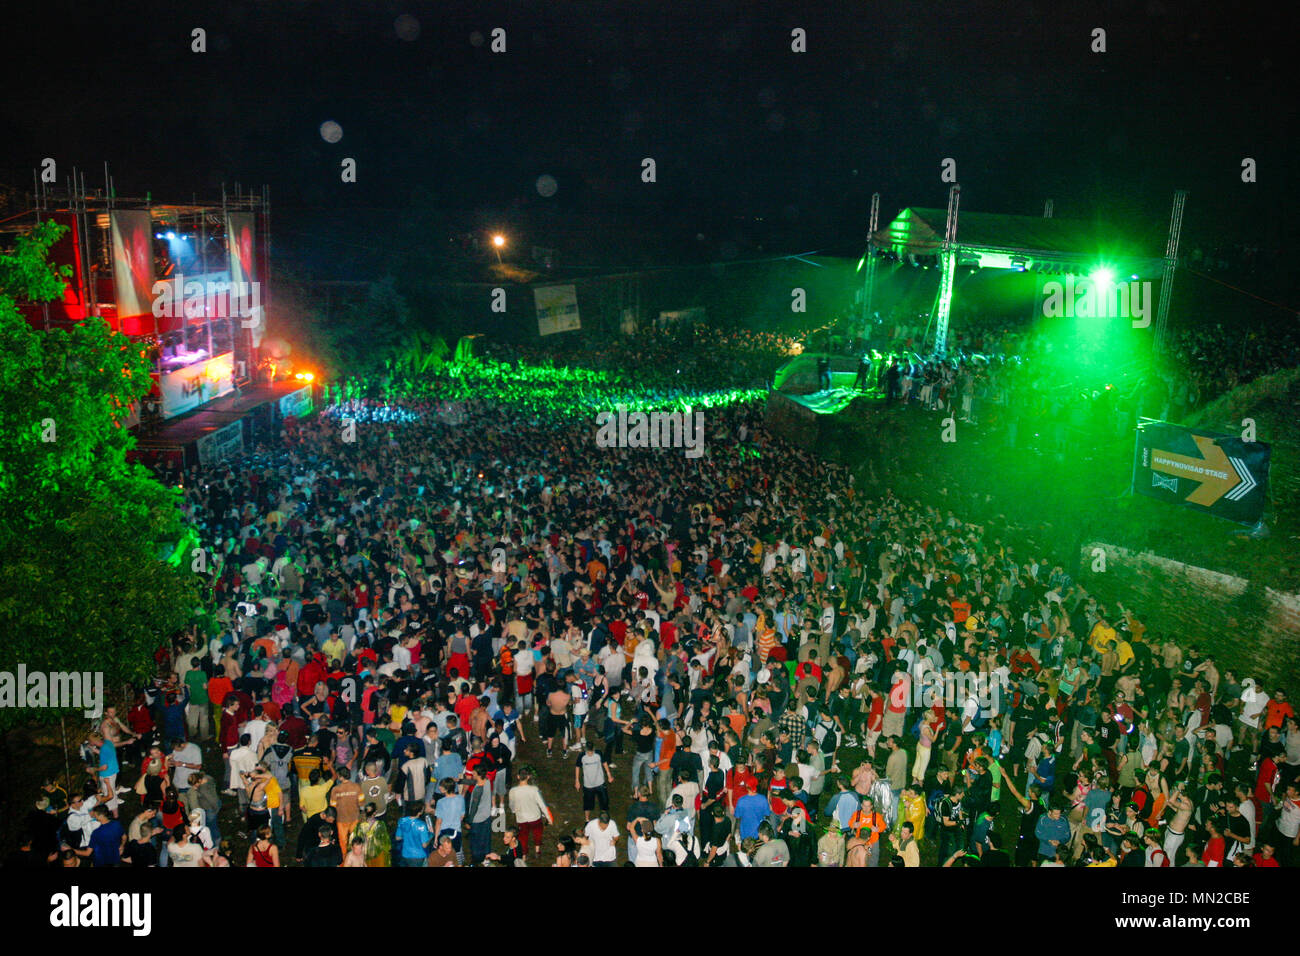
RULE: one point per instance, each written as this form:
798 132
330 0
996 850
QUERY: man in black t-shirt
993 854
642 808
141 853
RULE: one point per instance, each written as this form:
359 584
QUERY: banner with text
296 404
188 388
557 309
227 442
1196 468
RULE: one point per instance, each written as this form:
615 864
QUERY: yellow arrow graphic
1212 470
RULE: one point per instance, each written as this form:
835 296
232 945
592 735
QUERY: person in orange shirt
960 610
866 824
1277 710
766 639
667 747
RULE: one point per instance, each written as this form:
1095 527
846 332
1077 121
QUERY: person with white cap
199 831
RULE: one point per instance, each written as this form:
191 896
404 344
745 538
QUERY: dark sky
738 124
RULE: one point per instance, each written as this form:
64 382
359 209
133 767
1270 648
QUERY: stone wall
1248 629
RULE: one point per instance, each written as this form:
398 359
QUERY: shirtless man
555 719
1210 674
1128 685
1182 806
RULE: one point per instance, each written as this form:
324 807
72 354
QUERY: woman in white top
648 851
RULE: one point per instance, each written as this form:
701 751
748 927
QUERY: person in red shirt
887 644
312 673
617 630
808 668
1022 661
295 730
465 705
741 782
1202 704
1265 780
875 720
1215 847
138 717
667 634
367 659
228 726
218 687
1264 855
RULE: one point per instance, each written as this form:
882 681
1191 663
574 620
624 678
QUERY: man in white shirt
253 572
402 655
242 761
603 837
1253 702
255 728
611 658
80 819
185 759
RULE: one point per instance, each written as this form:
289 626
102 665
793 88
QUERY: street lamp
497 242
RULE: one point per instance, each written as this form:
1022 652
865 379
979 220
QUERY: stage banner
132 262
681 317
557 309
227 442
296 404
1201 469
243 272
187 388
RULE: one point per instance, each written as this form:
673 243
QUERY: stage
223 427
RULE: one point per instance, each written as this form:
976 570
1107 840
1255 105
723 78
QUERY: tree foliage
82 529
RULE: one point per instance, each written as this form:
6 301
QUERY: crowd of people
437 641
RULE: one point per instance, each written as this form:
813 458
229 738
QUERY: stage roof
919 231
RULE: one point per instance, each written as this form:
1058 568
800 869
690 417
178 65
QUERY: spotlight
171 235
157 235
1103 276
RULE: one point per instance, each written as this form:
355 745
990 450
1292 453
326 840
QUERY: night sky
775 150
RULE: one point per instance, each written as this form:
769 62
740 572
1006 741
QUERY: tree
83 532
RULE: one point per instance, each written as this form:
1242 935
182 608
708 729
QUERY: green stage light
861 262
1103 276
